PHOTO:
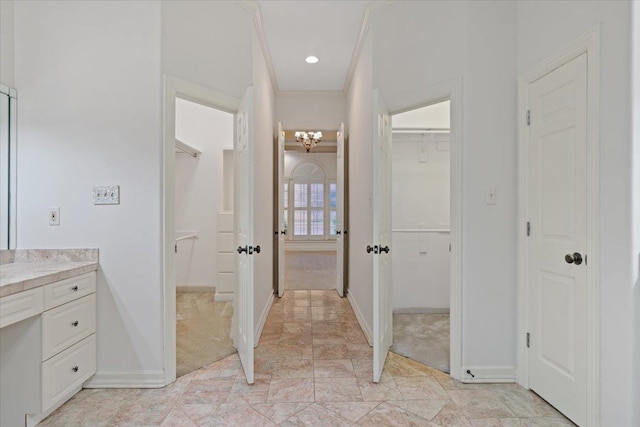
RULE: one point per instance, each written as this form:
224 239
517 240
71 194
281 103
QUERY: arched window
308 203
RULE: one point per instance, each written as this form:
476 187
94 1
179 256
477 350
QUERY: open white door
340 232
381 202
558 236
243 209
281 221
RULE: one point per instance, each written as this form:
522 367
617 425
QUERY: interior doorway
204 258
311 211
421 234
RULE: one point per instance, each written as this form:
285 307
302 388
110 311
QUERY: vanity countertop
30 268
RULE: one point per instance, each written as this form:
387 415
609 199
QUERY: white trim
254 8
132 379
223 296
177 88
587 43
372 8
366 329
32 420
263 320
489 374
421 310
451 90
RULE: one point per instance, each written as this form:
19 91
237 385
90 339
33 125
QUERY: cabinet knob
75 368
75 288
74 323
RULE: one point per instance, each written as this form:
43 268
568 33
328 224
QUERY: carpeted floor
306 270
203 331
423 338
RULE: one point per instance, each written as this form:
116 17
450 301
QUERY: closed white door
340 231
281 220
243 210
557 263
381 202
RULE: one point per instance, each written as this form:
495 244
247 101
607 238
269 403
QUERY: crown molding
254 9
373 8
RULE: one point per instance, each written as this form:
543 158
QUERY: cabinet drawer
61 292
67 370
66 325
20 306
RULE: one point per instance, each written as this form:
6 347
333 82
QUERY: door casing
588 43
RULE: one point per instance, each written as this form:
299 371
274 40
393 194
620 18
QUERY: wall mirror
8 163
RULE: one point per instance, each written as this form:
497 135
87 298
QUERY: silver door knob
575 258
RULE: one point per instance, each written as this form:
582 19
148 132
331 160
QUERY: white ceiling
297 29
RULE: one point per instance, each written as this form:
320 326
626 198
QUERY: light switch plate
490 196
106 195
54 216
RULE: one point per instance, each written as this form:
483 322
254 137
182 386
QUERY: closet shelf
184 235
183 147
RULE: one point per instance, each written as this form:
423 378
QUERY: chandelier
308 140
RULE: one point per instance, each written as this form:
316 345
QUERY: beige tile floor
313 368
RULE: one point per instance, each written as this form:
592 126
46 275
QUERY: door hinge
175 248
585 259
528 228
528 117
449 247
528 339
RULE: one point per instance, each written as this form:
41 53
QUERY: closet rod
186 148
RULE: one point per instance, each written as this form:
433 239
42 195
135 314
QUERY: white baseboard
138 379
488 374
304 246
263 320
360 317
422 310
223 296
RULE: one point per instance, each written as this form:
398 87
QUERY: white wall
198 186
311 110
263 133
544 27
420 199
208 43
7 43
90 114
360 134
435 116
475 42
635 252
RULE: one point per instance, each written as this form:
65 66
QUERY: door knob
338 232
573 258
372 249
385 249
257 249
241 249
283 232
369 249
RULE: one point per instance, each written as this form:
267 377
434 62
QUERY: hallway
313 368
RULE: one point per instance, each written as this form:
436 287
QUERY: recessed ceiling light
311 59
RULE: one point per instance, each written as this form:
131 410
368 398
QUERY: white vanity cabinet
47 354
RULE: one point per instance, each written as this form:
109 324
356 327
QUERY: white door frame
451 90
588 43
177 88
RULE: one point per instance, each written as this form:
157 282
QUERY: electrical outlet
54 216
106 195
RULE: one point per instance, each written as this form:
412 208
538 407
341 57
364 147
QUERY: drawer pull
74 323
75 368
75 288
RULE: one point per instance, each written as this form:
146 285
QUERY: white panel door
557 211
281 225
243 210
381 202
340 213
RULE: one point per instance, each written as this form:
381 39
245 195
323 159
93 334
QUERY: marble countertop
35 268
